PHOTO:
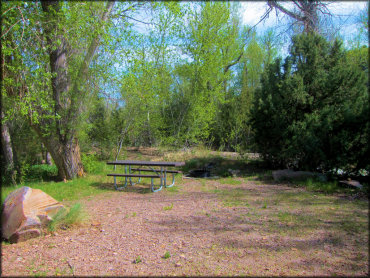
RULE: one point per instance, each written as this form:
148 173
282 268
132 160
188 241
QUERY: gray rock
353 183
288 174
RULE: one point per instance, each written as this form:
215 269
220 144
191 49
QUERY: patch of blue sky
345 16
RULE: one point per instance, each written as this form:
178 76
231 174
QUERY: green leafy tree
213 46
311 112
52 62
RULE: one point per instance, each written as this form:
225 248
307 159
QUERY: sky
345 11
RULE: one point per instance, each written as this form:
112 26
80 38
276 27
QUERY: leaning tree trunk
68 96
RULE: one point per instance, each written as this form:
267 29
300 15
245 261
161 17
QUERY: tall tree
59 43
304 114
214 46
68 94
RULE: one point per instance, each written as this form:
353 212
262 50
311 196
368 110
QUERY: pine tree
310 113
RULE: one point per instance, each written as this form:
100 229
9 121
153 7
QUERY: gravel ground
200 234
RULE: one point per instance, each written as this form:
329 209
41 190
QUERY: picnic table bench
145 166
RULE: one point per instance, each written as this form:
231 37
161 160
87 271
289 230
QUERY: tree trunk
48 158
68 160
68 97
66 155
7 150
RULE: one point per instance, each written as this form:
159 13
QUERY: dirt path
202 233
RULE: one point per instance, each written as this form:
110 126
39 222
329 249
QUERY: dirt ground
203 233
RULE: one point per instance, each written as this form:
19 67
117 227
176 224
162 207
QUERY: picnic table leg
133 183
164 176
115 181
173 181
161 181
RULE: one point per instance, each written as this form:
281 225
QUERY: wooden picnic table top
147 163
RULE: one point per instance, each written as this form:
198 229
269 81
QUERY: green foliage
91 163
166 255
65 218
168 207
317 185
40 172
137 260
190 78
101 131
311 112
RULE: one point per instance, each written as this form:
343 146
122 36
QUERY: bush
40 172
91 164
311 112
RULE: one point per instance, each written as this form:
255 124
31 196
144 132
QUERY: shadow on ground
137 188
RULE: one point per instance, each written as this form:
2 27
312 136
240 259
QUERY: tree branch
234 62
94 45
274 4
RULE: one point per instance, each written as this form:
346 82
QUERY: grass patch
168 207
173 189
78 188
315 185
235 203
137 260
37 271
230 181
232 198
166 255
65 218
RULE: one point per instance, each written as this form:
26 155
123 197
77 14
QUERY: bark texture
7 150
68 95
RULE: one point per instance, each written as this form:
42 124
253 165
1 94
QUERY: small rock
291 175
352 183
95 223
24 235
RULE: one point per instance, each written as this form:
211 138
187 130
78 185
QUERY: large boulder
288 174
25 212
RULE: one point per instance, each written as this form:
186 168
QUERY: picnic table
145 166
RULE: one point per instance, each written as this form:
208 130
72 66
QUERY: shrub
91 163
40 172
312 110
